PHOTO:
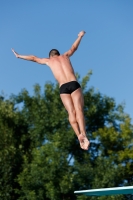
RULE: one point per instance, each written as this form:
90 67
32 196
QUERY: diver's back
62 69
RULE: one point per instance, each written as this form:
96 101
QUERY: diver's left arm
31 58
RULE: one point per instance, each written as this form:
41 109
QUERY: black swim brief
70 87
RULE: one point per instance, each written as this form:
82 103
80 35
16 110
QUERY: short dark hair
54 52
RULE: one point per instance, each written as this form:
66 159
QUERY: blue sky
35 27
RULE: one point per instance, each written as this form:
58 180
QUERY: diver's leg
68 103
78 101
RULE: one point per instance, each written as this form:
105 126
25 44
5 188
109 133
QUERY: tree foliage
40 157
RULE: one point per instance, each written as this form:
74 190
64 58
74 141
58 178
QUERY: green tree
13 144
52 165
59 166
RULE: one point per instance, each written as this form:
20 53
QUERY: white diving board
106 191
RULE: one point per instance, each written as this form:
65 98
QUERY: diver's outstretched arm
75 44
31 58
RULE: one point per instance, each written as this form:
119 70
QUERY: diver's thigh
67 101
77 98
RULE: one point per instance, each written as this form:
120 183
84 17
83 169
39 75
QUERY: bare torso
62 69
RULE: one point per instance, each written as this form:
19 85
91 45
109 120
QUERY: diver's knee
72 116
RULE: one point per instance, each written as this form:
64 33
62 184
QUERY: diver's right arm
75 44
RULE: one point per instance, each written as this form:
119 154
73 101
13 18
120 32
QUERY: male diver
70 90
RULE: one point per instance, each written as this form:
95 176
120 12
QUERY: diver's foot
84 142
